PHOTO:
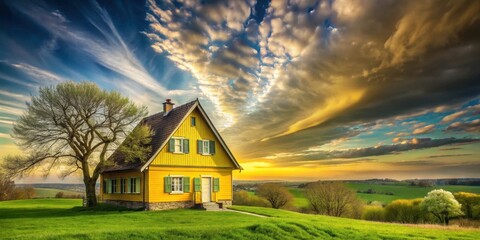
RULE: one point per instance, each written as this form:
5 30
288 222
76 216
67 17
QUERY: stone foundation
162 205
169 205
224 203
128 204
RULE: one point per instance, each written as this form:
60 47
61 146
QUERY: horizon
299 91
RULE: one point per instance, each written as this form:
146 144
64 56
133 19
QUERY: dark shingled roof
162 127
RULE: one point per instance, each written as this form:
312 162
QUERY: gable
201 131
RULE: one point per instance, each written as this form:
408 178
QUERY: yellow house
189 165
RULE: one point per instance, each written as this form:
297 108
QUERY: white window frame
179 188
123 185
132 182
179 139
206 145
114 185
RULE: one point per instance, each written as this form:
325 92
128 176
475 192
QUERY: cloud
16 96
401 145
449 155
107 48
424 130
5 135
304 76
468 126
454 116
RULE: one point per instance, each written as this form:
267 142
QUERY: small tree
469 202
7 187
332 198
76 126
442 205
59 195
276 194
405 211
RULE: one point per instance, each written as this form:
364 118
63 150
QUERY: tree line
8 190
336 199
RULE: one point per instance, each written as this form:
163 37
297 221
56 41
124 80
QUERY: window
114 186
178 145
123 185
206 147
177 185
193 121
134 185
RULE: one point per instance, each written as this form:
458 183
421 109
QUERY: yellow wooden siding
156 183
122 196
199 132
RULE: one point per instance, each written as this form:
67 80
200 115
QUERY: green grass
64 219
403 191
400 191
51 192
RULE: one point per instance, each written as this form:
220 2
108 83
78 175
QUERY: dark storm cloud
405 145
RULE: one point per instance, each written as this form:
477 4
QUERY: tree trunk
90 192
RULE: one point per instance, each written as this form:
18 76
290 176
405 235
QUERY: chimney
167 106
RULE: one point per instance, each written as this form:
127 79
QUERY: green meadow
51 192
65 219
399 191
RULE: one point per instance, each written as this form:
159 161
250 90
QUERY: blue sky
333 89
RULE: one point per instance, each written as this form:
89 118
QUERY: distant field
400 191
404 191
64 219
51 192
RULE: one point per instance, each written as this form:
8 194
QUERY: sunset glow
300 90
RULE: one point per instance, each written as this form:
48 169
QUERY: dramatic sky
300 90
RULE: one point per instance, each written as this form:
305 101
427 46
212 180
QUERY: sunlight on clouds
331 108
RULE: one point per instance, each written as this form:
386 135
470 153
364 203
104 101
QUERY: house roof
163 127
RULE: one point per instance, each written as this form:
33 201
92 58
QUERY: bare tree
76 126
331 198
277 195
7 187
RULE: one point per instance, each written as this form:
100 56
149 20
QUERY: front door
206 189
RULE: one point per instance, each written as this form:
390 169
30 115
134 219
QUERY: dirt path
247 213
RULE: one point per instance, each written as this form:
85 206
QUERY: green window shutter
186 146
198 184
216 184
137 185
212 147
109 189
171 145
199 146
168 184
186 184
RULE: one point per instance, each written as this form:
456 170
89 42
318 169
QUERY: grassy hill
63 219
399 191
51 192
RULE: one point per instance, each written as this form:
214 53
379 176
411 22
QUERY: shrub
277 195
470 203
333 198
59 195
374 213
406 211
244 198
